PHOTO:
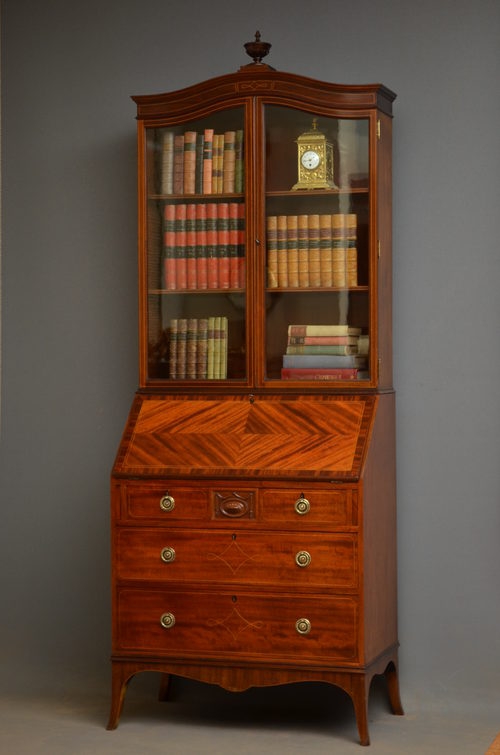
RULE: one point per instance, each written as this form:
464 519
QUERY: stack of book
202 163
198 348
312 251
325 352
203 246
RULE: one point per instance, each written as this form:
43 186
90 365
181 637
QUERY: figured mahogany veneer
223 625
308 437
250 558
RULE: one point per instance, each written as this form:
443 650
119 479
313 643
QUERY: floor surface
205 720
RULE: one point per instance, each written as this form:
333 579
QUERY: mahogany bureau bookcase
253 493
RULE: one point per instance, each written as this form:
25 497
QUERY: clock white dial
310 159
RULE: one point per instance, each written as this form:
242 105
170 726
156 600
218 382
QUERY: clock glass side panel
195 251
317 267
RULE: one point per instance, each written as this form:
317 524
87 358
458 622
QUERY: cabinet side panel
116 507
379 534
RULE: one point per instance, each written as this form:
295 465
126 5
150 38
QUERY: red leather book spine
234 275
212 267
201 246
241 246
191 246
223 244
180 242
169 263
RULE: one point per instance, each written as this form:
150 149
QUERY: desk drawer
313 508
246 625
165 503
265 558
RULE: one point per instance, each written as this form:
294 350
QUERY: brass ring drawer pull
167 620
168 555
303 626
167 503
302 506
303 559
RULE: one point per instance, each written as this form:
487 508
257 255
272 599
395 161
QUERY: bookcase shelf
318 192
194 197
318 289
253 493
194 291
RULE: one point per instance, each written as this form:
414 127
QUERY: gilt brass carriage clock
315 160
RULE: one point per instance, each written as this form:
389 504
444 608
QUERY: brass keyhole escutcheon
167 620
168 555
167 503
303 626
303 559
302 506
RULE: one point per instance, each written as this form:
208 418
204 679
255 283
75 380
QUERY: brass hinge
379 129
378 248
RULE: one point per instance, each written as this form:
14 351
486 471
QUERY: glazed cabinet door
260 229
193 257
318 276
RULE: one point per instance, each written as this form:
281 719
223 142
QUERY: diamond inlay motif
233 556
235 623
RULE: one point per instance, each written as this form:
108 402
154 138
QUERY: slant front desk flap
318 437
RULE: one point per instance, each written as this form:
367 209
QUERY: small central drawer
264 558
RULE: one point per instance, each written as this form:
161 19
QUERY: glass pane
317 246
196 265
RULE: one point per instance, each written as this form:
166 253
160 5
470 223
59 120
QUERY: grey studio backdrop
69 313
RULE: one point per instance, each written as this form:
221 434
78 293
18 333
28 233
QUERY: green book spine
182 348
228 165
198 186
167 163
239 163
202 350
178 178
174 327
208 145
189 162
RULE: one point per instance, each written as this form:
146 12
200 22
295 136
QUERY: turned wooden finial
257 49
